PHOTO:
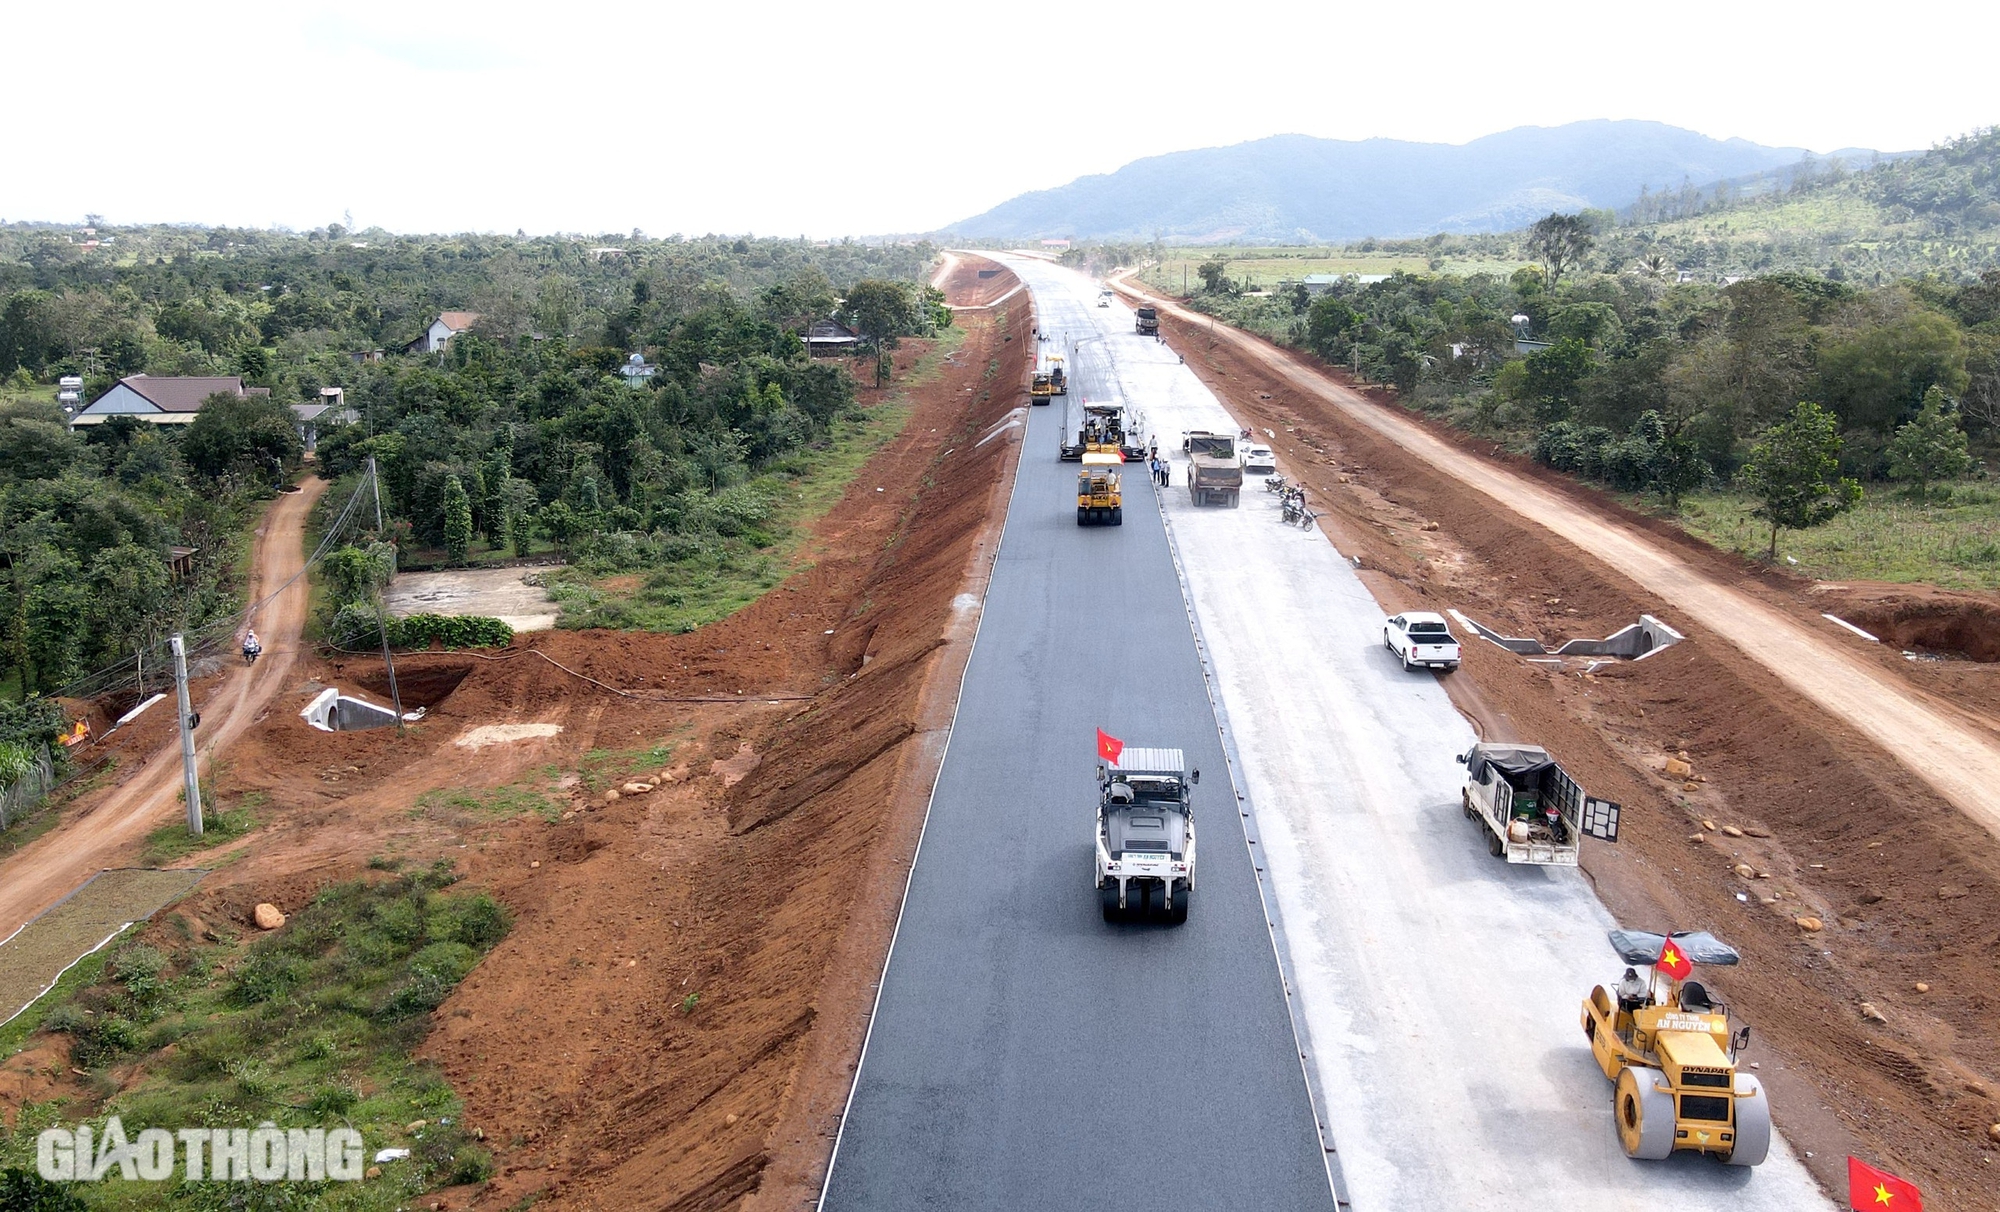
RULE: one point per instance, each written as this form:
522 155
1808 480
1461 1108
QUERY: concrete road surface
1024 1054
1438 987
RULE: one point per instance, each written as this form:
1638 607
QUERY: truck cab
1145 854
1146 322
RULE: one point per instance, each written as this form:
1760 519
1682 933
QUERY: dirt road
1959 760
101 833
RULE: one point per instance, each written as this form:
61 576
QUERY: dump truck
1214 476
1145 835
1099 500
1101 429
1528 808
1147 323
1671 1054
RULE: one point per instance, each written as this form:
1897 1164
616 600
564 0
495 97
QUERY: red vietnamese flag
1109 747
1872 1190
1673 961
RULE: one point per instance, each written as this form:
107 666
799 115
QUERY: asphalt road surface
1437 988
1025 1054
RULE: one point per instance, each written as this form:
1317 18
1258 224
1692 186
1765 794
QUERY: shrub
452 631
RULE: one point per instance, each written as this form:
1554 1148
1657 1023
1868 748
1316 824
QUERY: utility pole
187 737
381 610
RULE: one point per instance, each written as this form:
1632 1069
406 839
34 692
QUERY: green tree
457 520
252 436
518 503
1930 447
1876 376
1553 375
1211 275
560 524
1559 242
882 311
1794 472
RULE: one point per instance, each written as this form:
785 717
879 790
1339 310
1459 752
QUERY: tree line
522 432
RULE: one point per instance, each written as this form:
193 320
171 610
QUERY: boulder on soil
636 788
611 797
267 916
1869 1012
1678 768
1811 925
1993 1133
1732 831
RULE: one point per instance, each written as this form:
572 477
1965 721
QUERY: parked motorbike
1275 483
251 652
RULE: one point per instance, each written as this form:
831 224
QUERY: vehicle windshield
1153 789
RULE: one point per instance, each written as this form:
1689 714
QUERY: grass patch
313 1025
1952 543
493 803
171 842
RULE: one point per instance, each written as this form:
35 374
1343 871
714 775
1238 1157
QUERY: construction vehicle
1529 808
1101 429
1214 475
1147 322
1099 501
1672 1055
1145 835
1048 381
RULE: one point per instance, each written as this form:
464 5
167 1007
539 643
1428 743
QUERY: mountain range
1300 189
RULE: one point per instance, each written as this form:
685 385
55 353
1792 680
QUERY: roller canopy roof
1643 946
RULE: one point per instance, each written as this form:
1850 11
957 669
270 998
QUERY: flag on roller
1673 961
1109 747
1872 1190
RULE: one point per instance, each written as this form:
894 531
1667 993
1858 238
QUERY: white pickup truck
1421 638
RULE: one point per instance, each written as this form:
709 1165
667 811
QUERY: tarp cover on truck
1517 762
1643 946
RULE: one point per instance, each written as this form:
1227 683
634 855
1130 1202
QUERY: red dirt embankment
674 1019
1831 827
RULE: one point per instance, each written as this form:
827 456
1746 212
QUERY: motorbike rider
250 646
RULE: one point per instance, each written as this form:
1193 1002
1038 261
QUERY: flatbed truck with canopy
1529 808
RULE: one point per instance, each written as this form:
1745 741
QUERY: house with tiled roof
167 400
448 325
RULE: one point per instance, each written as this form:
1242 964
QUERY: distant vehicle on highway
1421 639
1259 461
1104 300
1145 835
1146 322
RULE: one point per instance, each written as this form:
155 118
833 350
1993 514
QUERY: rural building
328 412
637 372
830 339
448 325
168 400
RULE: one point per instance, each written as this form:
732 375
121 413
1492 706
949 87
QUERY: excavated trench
1966 630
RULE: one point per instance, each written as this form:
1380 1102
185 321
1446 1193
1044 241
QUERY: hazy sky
825 119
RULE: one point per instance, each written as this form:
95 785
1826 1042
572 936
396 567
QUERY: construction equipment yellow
1049 381
1671 1054
1099 498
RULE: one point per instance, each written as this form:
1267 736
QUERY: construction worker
1632 992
